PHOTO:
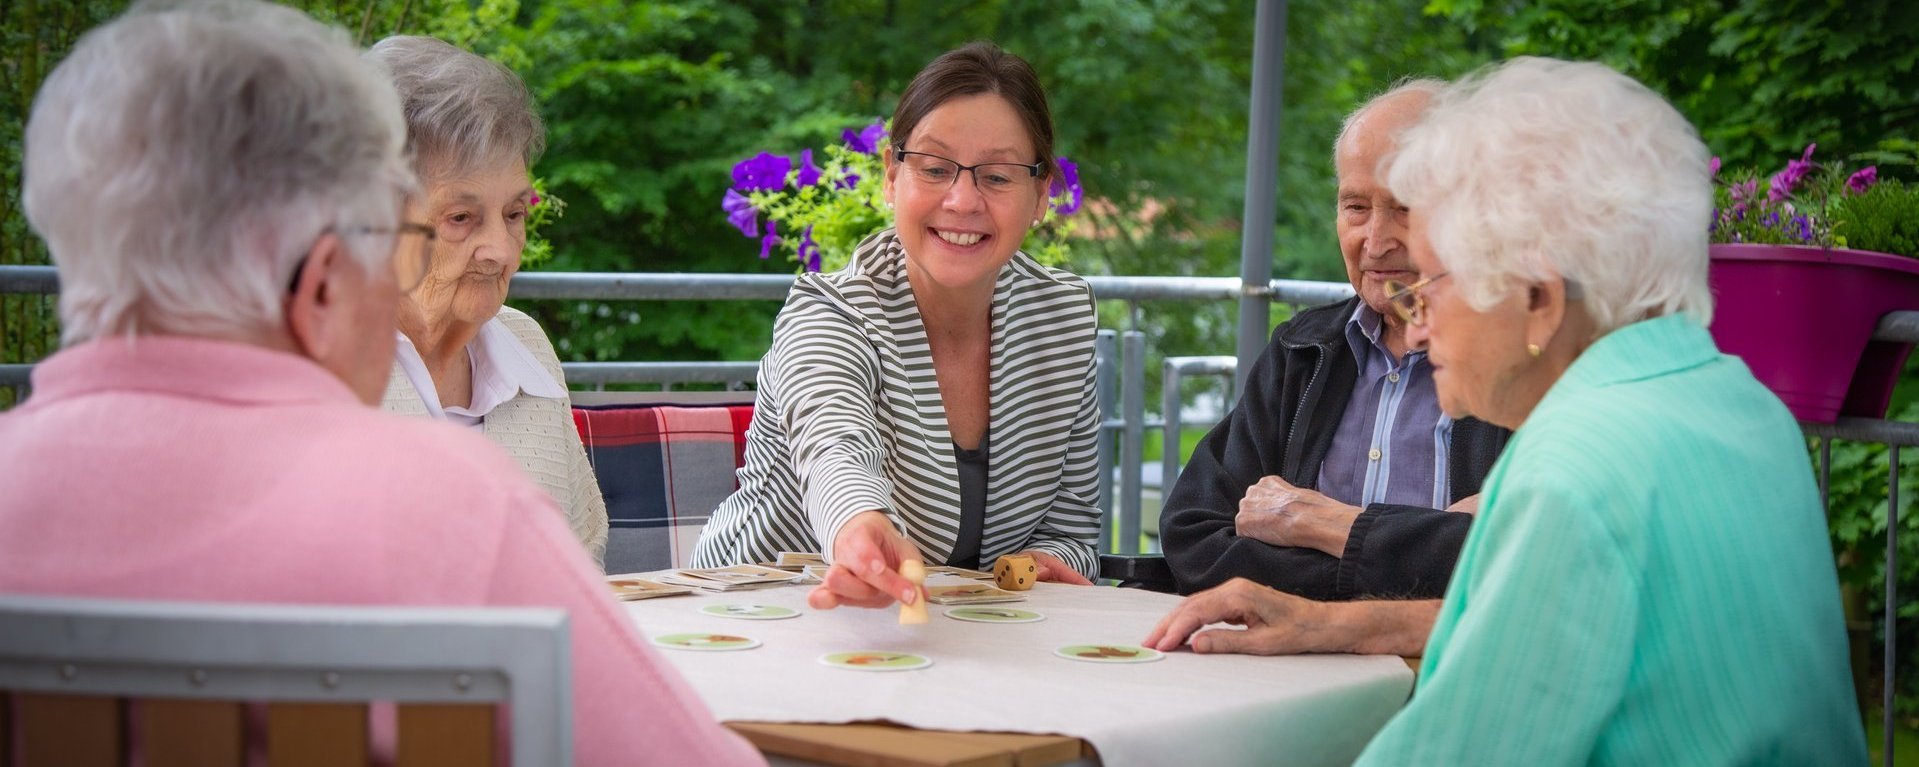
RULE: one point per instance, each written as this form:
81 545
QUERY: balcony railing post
1106 380
1892 589
1132 454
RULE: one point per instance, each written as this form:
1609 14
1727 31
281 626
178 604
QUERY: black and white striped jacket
849 419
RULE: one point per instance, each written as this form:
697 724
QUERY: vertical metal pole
1132 391
1106 381
1169 448
1262 182
1892 590
1825 473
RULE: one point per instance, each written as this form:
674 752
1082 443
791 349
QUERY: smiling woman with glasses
463 356
934 400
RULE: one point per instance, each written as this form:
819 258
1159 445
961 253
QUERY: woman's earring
1036 222
1532 349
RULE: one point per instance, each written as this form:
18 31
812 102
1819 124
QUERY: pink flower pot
1802 318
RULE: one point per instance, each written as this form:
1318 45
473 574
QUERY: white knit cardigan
538 432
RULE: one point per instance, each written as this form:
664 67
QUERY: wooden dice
1015 572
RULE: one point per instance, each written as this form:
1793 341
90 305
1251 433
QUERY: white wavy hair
463 112
1537 168
186 155
1428 86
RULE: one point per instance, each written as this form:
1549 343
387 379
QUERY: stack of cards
735 578
628 588
978 575
970 594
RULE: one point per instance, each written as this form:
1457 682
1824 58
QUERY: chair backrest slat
230 653
70 730
317 735
446 735
192 733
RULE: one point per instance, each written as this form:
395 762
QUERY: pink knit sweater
191 469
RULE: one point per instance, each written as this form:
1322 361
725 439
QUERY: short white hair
1538 168
1426 86
463 112
186 155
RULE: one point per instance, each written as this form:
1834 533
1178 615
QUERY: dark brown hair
972 69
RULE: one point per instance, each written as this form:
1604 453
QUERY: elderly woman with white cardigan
462 356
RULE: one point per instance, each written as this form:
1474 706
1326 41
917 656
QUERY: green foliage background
650 103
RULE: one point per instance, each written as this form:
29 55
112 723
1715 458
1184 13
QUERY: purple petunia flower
809 173
1863 180
848 182
1715 167
763 172
740 213
809 250
766 243
533 203
867 141
1066 185
1800 228
1745 190
1784 181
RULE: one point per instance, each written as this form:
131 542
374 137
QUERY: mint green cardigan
1649 581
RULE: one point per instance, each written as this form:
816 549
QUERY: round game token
875 660
751 612
706 642
1107 653
994 615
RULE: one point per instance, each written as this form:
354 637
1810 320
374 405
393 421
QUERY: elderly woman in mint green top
1648 581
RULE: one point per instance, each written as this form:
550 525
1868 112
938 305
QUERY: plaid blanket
663 469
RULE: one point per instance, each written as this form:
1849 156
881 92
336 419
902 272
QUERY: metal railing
1120 368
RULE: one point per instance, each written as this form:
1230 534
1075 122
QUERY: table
1183 709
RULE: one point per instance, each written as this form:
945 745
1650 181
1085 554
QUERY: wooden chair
73 665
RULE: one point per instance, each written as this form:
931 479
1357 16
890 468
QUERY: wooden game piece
914 571
1015 572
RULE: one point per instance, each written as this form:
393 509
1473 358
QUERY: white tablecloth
1185 709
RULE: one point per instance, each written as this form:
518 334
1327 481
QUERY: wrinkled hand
1466 505
1055 570
1276 623
1278 513
867 554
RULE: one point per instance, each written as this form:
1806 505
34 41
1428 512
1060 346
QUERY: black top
1283 425
972 482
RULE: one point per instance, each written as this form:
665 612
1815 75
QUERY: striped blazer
849 419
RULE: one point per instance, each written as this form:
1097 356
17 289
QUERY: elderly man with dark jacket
1336 476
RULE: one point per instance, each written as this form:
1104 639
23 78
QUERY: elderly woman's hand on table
1277 512
867 554
1278 623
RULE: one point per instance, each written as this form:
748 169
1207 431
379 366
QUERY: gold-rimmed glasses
993 179
1408 302
411 255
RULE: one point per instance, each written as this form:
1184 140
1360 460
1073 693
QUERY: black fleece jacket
1283 425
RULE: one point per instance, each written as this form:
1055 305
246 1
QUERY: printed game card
873 660
631 589
706 642
751 612
1103 653
994 615
970 594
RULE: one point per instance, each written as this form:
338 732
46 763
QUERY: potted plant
835 206
1804 264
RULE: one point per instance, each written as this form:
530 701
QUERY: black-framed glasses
410 254
938 173
1408 302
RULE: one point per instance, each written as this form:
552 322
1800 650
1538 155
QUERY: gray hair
1403 86
186 155
1538 168
463 112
